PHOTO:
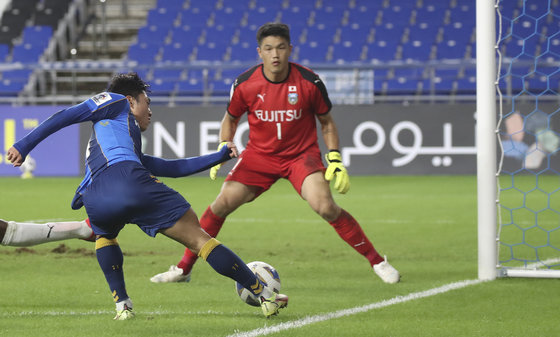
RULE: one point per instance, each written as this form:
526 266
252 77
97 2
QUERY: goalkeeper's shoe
91 238
174 274
124 313
271 305
387 272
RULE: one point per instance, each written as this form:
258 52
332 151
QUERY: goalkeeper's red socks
350 231
212 224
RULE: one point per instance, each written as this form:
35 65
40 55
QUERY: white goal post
527 221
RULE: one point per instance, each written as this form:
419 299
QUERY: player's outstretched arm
227 131
187 166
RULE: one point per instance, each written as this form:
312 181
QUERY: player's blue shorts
126 192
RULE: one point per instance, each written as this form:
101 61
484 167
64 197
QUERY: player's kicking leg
22 234
188 232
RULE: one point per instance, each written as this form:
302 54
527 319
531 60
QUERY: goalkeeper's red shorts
255 169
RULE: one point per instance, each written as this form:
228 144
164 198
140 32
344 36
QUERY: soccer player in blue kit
120 187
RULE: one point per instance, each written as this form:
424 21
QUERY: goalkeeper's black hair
129 84
273 29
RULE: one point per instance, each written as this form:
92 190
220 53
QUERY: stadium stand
409 44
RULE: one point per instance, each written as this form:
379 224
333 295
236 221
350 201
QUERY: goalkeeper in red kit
282 101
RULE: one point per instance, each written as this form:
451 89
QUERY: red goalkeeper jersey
281 115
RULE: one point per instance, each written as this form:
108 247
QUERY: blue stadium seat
382 50
425 32
27 53
363 15
218 34
347 52
312 52
537 84
417 50
152 34
295 16
466 85
142 52
4 52
259 15
537 8
229 16
176 52
355 33
220 87
211 52
402 86
320 34
389 32
328 16
186 34
37 35
459 32
161 17
17 76
190 87
523 27
167 75
244 52
400 12
171 5
450 49
443 86
195 16
159 87
229 75
10 88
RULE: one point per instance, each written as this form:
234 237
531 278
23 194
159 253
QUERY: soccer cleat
271 305
387 272
174 274
124 314
91 238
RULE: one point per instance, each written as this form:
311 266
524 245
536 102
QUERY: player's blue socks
110 258
227 263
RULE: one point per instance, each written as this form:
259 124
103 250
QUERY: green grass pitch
425 225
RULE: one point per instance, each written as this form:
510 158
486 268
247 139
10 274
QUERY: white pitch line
352 311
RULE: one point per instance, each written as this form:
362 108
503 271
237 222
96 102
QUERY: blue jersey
118 175
115 134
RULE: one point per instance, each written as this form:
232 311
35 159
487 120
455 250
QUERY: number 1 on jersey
279 131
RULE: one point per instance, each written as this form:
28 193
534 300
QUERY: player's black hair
129 84
273 29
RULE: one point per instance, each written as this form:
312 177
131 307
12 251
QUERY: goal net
528 138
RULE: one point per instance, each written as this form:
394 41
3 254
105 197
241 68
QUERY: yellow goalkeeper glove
214 169
336 168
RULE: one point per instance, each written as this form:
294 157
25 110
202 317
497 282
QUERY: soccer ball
267 274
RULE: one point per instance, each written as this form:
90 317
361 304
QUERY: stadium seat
190 87
27 53
347 52
244 52
401 86
295 16
382 50
159 87
327 16
167 74
37 35
10 88
171 5
142 52
355 33
153 34
416 50
312 53
186 34
211 52
4 52
161 17
218 34
229 16
320 34
195 16
220 87
50 12
450 49
176 52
